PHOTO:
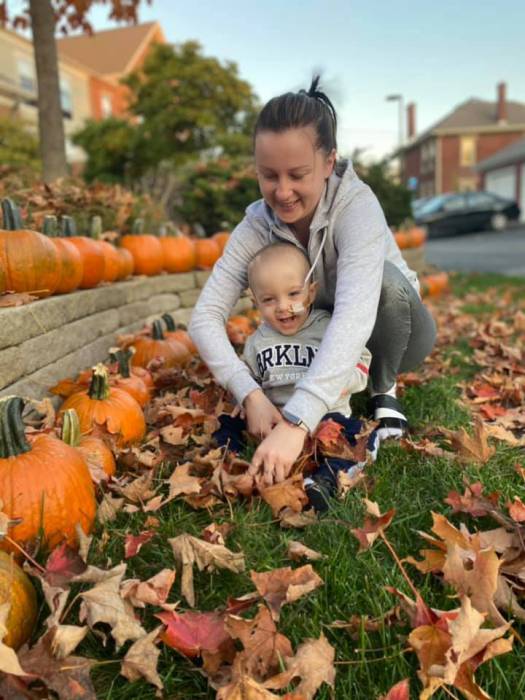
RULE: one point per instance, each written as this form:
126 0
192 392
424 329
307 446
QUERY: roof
109 51
511 154
474 114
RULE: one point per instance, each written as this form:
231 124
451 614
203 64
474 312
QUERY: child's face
291 172
280 294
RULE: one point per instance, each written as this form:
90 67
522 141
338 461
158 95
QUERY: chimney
502 103
411 120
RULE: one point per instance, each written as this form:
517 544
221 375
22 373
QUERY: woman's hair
304 108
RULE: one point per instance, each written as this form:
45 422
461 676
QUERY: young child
281 350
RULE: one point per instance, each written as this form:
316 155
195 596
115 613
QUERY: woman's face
291 172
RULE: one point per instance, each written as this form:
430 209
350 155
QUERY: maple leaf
141 660
182 482
65 639
329 433
62 565
288 518
264 646
108 508
473 448
297 551
245 688
375 524
189 550
286 585
134 543
191 633
138 490
216 534
285 494
154 591
313 664
399 691
517 509
104 603
472 501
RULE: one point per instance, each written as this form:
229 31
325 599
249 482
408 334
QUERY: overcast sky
436 54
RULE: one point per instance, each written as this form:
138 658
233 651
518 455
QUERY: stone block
157 304
189 297
182 316
201 277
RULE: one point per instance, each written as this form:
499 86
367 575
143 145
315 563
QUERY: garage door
502 182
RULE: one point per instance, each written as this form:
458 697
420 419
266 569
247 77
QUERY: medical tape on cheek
297 307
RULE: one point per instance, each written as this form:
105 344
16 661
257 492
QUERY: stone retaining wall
54 338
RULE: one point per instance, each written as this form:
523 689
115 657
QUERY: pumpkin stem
156 331
122 358
138 226
170 323
11 215
99 387
69 227
50 226
71 428
12 430
95 229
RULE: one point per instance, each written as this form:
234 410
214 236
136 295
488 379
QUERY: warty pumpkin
90 251
44 484
173 353
103 408
29 259
93 449
71 265
146 250
17 590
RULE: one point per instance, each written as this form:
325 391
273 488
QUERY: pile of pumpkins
46 486
60 261
410 236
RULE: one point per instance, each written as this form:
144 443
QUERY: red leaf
491 412
192 633
329 433
133 543
517 510
473 501
400 691
62 564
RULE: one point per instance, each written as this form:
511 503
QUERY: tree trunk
50 125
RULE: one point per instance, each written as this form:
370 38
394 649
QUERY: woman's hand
277 453
261 414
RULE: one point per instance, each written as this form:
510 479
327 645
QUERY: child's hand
261 414
278 452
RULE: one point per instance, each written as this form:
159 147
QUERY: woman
323 207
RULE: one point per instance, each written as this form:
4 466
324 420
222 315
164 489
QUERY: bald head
277 258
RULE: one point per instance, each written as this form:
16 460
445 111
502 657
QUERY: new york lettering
285 355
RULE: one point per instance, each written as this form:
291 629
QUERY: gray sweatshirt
357 241
279 361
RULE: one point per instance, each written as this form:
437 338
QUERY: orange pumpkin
178 250
402 239
127 379
127 264
17 590
44 484
222 237
105 409
90 251
30 261
173 354
71 266
146 250
435 284
93 449
238 329
207 252
178 333
418 236
2 278
112 263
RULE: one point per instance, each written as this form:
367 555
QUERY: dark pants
232 432
404 332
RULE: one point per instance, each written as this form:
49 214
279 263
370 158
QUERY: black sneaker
320 488
389 413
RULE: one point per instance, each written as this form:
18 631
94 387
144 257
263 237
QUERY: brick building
444 157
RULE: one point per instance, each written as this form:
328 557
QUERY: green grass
413 484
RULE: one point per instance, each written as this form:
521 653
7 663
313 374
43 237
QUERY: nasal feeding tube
297 307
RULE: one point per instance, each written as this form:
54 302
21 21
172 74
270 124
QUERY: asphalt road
488 251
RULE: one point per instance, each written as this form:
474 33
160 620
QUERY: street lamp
399 99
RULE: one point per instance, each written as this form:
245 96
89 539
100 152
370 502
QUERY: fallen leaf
65 639
9 662
472 501
154 591
313 664
192 632
8 298
517 509
285 494
399 691
216 534
134 543
297 551
473 448
141 660
375 523
108 508
62 565
182 482
245 688
285 585
288 518
189 550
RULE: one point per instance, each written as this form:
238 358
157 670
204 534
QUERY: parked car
416 204
449 214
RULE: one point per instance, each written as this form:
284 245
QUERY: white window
26 75
66 99
106 107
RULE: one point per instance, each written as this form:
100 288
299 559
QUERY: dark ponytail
298 109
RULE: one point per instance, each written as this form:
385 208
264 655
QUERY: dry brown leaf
288 518
65 639
154 591
346 483
104 603
313 664
285 494
9 662
517 509
141 660
375 523
264 646
139 490
16 299
108 508
297 551
182 482
285 585
245 688
469 448
189 550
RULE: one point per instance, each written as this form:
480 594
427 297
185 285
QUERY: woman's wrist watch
295 420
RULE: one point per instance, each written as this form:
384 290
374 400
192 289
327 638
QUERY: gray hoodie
349 271
279 361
